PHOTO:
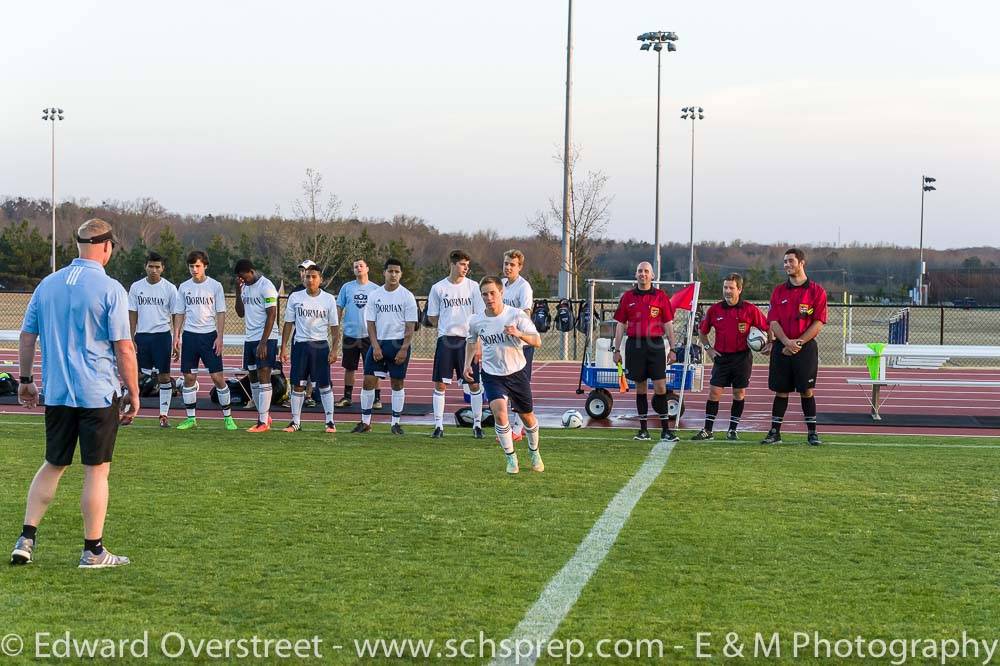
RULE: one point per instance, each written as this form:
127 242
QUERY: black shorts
515 387
354 351
250 360
793 373
311 362
645 358
199 347
95 428
449 360
732 369
154 351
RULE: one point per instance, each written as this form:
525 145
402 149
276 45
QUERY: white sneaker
536 461
512 467
103 561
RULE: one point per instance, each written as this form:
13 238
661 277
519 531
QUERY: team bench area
881 357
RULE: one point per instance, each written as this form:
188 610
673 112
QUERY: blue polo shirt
353 298
78 313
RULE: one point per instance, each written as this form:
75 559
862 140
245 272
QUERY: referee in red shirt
732 361
646 314
796 316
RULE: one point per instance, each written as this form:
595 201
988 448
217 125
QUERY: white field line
561 593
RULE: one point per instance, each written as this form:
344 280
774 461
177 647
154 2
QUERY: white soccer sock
398 400
224 396
190 397
506 441
515 423
255 393
326 396
264 393
298 397
532 434
367 400
477 407
438 401
166 392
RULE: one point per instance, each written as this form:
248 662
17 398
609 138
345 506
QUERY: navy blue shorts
516 388
250 360
311 362
154 350
197 347
449 360
386 367
529 356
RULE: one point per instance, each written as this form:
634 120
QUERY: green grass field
350 538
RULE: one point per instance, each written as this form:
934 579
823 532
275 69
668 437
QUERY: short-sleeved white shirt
502 354
453 305
200 303
257 297
518 294
312 316
153 304
390 310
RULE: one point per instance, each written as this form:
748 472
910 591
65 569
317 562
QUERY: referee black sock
29 531
661 407
711 411
735 413
809 411
778 412
93 545
642 406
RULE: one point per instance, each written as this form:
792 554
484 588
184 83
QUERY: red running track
554 388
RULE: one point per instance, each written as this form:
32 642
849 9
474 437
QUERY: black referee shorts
793 373
732 369
95 428
645 358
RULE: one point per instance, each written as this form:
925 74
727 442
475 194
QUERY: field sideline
351 538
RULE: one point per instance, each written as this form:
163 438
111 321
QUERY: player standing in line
257 305
503 331
199 323
450 305
81 316
313 315
352 300
517 294
645 313
151 303
391 317
732 360
796 316
301 286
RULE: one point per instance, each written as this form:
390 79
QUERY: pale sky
819 117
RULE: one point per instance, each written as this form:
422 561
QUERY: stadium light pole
925 187
52 115
656 42
693 113
564 271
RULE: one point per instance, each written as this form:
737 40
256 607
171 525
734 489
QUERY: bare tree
590 216
323 235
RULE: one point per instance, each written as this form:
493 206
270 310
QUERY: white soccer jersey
153 304
199 303
502 354
390 310
312 315
518 294
453 305
257 297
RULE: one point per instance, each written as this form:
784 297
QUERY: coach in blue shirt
80 316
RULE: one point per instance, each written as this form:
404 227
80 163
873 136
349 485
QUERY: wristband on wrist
27 379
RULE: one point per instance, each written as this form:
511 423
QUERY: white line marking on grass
561 593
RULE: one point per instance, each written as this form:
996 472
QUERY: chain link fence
846 323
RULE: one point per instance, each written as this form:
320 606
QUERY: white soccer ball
572 419
756 339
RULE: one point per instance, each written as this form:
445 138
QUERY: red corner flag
683 299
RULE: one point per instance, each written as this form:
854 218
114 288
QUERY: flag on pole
683 299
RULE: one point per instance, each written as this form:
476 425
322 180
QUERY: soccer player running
313 315
796 316
352 301
257 306
503 331
81 316
199 323
732 361
645 313
450 305
151 303
391 317
517 294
